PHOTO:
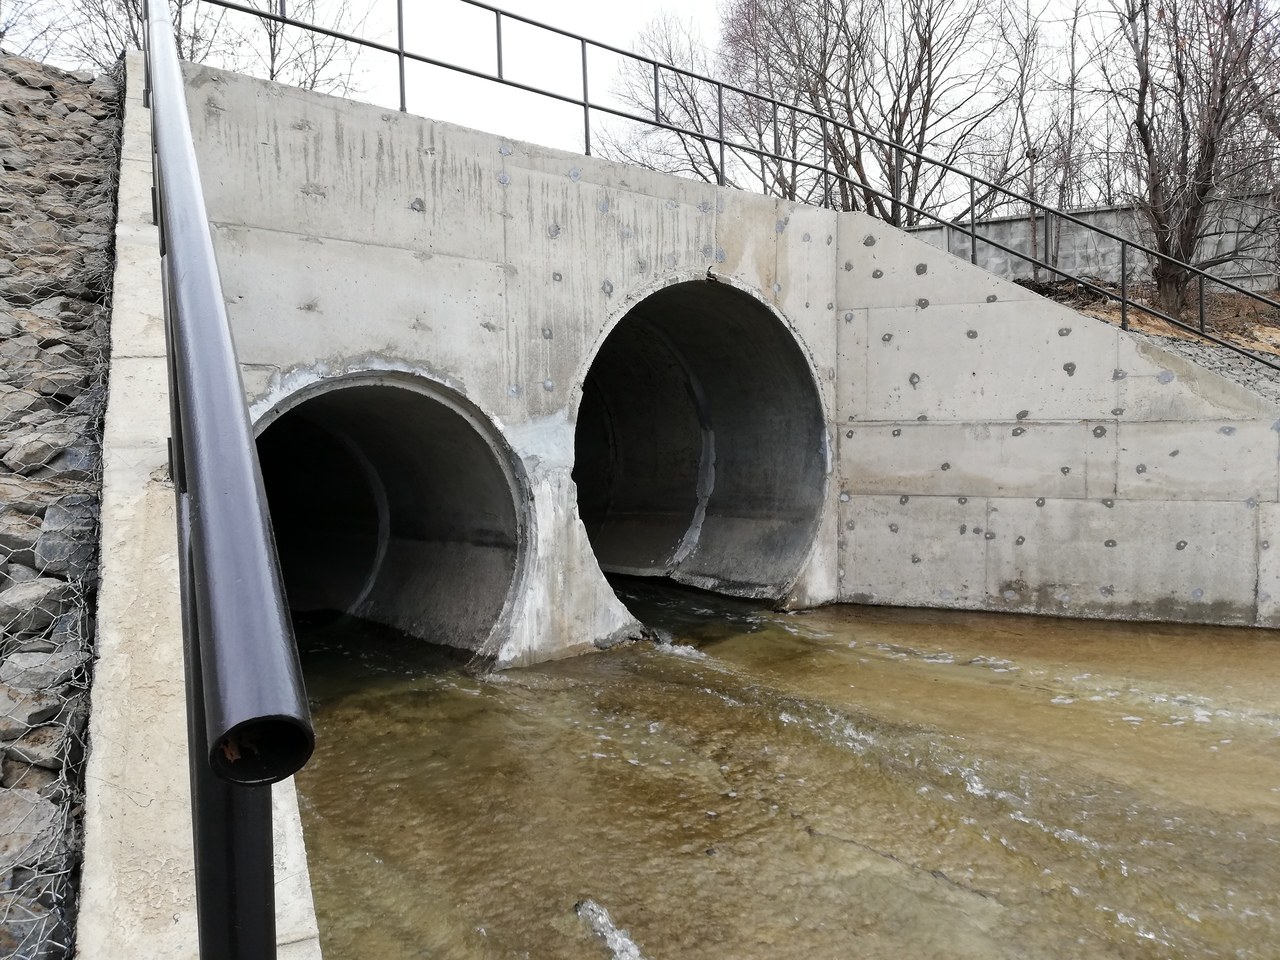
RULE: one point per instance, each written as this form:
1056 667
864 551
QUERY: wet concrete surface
849 782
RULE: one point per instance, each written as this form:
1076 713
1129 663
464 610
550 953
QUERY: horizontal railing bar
1110 294
1004 194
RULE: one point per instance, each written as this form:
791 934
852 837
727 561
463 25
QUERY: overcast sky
452 30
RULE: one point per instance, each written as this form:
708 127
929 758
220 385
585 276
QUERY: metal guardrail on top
976 184
248 723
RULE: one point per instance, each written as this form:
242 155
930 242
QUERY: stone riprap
1260 379
59 161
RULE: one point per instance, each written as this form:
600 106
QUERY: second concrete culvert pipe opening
701 448
396 505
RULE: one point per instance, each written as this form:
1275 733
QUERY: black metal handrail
975 182
247 717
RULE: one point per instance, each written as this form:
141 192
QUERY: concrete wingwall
979 447
1001 452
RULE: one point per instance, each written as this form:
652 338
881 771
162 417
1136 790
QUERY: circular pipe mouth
701 444
397 503
262 750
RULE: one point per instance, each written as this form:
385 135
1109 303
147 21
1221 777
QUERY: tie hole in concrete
700 451
395 504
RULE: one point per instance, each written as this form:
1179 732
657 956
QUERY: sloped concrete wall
1000 452
986 448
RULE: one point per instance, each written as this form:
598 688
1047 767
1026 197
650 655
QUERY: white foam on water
618 941
681 650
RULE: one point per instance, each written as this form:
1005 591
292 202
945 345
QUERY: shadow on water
847 782
342 654
677 612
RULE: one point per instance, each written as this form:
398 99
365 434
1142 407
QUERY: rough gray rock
67 539
22 709
14 402
18 535
32 495
32 605
67 381
28 829
19 348
36 449
77 462
72 630
29 930
44 746
59 154
40 671
47 783
14 572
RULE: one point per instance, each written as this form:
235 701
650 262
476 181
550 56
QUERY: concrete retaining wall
985 448
1250 227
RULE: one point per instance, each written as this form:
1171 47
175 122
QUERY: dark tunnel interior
391 505
700 451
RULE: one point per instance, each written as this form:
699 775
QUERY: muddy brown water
851 782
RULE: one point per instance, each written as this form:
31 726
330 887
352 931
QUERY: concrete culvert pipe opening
394 505
701 446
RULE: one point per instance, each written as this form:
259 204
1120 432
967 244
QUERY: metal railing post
825 160
146 61
720 179
1047 265
657 88
497 29
973 222
586 104
1124 286
400 51
1200 281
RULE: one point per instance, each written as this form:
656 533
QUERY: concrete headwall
983 448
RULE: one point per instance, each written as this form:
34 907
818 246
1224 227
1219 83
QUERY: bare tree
756 130
1195 81
296 56
921 74
912 72
1019 33
1047 121
916 73
1075 177
29 28
672 99
97 32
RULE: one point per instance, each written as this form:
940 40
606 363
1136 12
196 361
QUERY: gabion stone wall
59 160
